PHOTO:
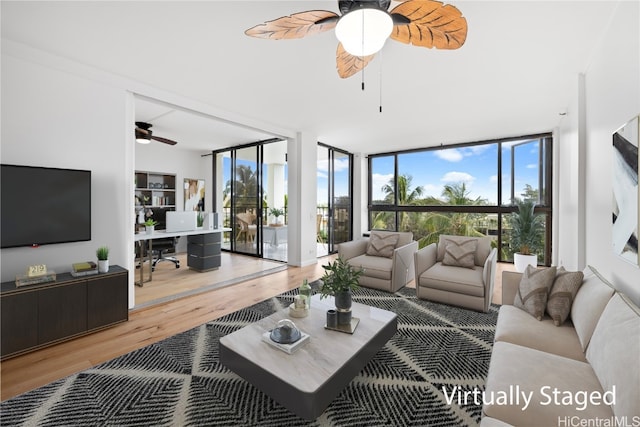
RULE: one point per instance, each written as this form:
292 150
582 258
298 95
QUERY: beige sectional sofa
584 372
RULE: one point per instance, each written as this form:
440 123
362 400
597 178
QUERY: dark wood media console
37 316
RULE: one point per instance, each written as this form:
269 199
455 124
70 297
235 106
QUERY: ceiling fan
364 26
144 135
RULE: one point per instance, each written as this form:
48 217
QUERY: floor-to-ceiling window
254 191
466 189
334 202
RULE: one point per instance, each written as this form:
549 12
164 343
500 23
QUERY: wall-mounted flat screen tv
40 206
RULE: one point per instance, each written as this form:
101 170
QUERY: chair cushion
460 253
563 291
518 327
483 247
534 289
382 245
373 266
453 279
589 303
614 354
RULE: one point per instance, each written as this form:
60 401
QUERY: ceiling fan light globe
363 32
143 140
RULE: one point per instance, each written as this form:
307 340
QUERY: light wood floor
152 324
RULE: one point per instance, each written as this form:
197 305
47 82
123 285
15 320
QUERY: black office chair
161 247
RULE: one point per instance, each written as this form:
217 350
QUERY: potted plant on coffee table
277 213
339 279
527 229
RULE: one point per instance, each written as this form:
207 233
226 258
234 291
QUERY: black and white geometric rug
180 382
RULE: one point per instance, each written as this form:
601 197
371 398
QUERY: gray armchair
386 258
441 277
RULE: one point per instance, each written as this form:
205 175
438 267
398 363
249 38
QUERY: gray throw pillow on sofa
563 291
460 253
382 245
534 289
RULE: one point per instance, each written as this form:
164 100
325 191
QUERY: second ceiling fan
144 135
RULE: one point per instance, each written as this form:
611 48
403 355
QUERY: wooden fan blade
348 64
295 26
165 140
431 24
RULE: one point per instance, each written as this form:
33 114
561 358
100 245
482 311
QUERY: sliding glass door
334 203
246 196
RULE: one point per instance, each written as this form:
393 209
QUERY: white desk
140 238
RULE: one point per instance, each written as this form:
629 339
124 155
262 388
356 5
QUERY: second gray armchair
458 270
386 258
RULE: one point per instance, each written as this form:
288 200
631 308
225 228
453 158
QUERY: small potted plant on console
103 259
149 225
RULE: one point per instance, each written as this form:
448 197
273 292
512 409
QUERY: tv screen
42 206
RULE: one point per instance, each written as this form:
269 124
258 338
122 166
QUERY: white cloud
377 182
322 174
457 177
450 155
341 165
493 178
532 166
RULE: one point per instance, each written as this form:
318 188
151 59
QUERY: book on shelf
79 267
287 348
84 273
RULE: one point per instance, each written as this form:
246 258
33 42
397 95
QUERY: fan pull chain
380 59
362 57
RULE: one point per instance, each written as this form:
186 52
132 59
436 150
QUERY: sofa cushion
460 254
614 354
517 327
453 279
563 291
534 289
590 301
514 368
482 249
373 266
382 245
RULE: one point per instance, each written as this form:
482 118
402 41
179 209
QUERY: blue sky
476 166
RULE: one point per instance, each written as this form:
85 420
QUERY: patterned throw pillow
382 245
460 253
564 289
534 289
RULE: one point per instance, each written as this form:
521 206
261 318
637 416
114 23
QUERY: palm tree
406 196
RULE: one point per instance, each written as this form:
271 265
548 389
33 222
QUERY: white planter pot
149 229
103 266
521 261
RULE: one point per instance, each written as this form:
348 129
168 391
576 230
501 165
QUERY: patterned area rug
180 381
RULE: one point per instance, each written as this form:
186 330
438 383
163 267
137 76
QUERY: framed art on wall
625 192
193 194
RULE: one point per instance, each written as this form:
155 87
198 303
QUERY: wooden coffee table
307 381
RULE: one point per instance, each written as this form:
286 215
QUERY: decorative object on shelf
626 193
88 268
36 270
150 225
339 279
332 319
527 230
103 259
364 26
305 292
299 308
276 213
35 274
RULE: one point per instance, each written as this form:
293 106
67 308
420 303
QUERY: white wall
56 119
613 98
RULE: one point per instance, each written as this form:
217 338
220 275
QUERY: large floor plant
527 228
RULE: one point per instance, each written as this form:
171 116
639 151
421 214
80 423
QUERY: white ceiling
516 72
